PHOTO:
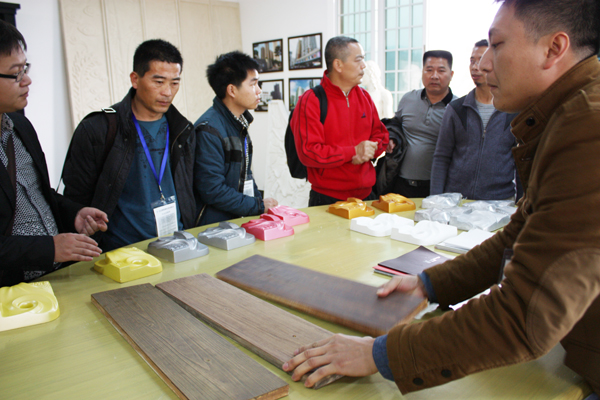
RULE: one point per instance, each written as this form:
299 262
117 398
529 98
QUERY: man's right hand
365 151
403 283
74 247
269 203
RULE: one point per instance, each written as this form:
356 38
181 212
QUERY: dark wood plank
335 299
265 329
192 359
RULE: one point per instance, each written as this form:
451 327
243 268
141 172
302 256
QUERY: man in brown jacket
541 63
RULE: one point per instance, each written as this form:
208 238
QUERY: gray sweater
475 162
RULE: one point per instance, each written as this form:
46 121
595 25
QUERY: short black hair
482 43
155 50
337 48
229 69
438 54
580 19
10 39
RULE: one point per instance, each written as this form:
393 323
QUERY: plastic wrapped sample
502 206
476 219
444 200
441 215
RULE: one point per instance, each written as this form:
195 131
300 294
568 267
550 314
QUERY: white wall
456 25
264 20
48 107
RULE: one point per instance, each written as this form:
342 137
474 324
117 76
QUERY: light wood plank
194 361
335 299
264 329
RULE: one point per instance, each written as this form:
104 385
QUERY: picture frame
297 87
269 55
305 52
271 90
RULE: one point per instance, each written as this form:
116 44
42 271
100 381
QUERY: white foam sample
465 241
424 233
379 226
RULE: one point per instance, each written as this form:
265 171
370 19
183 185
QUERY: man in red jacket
338 153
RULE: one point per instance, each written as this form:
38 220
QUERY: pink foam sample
291 216
268 227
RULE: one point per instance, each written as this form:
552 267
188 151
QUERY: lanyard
246 151
165 155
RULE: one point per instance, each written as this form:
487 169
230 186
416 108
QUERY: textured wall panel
124 32
86 53
196 34
101 36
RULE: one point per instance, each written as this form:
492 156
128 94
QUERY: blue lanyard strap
246 151
163 165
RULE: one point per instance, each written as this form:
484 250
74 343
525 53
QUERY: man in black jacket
34 219
141 174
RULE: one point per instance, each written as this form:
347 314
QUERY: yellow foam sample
127 264
393 202
351 208
27 304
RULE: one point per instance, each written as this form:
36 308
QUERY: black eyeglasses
18 77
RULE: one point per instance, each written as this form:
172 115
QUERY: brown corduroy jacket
551 289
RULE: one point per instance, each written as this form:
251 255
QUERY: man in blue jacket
473 152
223 184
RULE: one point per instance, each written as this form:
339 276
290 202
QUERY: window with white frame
355 21
392 33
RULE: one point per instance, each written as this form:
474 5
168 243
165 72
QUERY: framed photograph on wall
269 55
271 90
298 86
305 51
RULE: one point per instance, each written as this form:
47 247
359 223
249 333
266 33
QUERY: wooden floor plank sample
192 359
335 299
265 329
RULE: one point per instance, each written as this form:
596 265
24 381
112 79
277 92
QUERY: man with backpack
338 152
135 161
473 153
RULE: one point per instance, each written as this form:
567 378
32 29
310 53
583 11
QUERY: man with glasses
34 219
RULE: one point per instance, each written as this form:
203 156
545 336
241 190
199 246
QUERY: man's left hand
89 220
339 354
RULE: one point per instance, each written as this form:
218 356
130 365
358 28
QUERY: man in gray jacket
473 152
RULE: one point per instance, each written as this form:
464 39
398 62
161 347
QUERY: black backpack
297 169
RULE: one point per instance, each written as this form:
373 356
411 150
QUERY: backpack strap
320 93
111 118
460 110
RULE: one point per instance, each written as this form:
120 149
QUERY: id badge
165 215
249 188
